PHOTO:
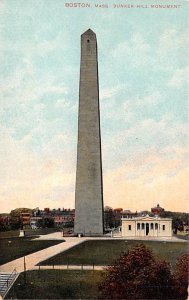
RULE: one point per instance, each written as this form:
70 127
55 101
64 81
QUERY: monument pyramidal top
89 32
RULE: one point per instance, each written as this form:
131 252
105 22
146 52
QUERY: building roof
147 218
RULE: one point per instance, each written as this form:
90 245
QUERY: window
138 226
88 41
152 226
129 227
156 226
163 227
142 225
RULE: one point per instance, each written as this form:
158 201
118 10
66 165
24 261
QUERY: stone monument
89 187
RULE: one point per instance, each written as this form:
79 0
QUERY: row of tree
112 218
15 221
137 274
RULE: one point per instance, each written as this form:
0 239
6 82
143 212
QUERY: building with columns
146 226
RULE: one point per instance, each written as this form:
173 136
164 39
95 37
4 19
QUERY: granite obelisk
89 187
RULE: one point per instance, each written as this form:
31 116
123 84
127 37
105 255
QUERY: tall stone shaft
89 187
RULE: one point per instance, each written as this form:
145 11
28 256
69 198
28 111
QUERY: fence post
93 266
24 270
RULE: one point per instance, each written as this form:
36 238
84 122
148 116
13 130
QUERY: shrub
138 275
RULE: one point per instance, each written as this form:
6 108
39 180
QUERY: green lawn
12 248
11 233
28 232
103 252
56 284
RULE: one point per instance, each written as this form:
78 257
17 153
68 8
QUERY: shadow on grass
13 248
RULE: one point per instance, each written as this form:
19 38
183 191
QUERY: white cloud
23 86
65 104
136 51
153 99
140 139
35 47
31 180
28 179
148 100
157 133
127 110
110 92
149 179
171 40
179 77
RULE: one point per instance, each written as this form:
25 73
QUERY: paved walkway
33 259
70 267
116 235
58 236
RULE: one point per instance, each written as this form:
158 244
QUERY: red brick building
157 210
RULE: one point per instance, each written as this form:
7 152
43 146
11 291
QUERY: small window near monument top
163 227
88 41
129 227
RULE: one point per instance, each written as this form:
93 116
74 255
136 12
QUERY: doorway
147 228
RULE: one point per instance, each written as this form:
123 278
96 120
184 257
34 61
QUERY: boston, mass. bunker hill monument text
89 187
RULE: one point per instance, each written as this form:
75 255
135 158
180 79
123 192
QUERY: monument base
90 234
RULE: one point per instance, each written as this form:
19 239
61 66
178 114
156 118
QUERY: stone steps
6 281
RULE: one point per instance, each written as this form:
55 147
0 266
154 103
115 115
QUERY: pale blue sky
143 98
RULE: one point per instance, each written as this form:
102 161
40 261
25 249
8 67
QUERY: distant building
129 214
4 220
46 210
34 222
146 226
61 217
117 212
25 218
65 218
157 210
112 217
108 217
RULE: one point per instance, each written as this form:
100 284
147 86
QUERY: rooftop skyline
143 66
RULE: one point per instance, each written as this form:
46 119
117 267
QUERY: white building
146 227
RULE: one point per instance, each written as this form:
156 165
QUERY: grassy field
12 248
28 232
57 284
103 252
11 233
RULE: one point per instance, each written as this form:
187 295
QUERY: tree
16 221
108 217
181 275
138 275
45 222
